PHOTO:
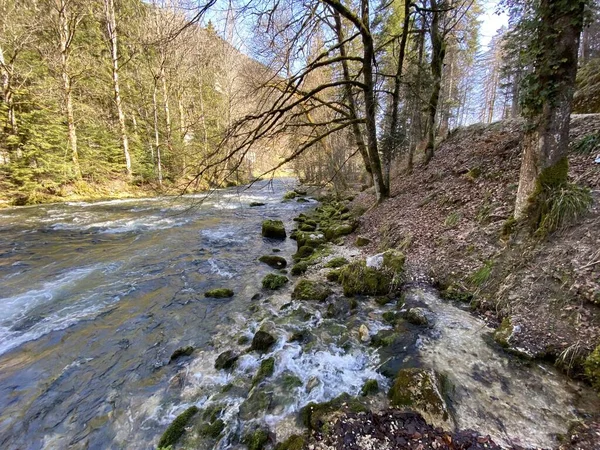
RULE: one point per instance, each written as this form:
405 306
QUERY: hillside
450 220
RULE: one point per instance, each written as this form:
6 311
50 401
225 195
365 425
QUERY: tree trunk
438 48
66 32
156 134
416 122
545 145
111 28
7 95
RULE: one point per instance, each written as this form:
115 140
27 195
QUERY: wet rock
255 204
312 383
273 229
262 341
290 381
265 370
420 391
302 200
299 268
294 442
274 281
211 430
339 307
417 316
290 195
311 290
256 297
219 293
257 440
258 402
336 263
226 360
358 279
391 317
315 415
300 191
302 336
174 432
363 333
362 241
276 262
384 338
243 340
369 388
181 352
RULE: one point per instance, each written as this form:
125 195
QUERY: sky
491 21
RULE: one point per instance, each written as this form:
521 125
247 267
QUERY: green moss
391 317
384 338
333 275
307 227
456 293
303 252
266 369
290 195
503 332
592 368
212 430
393 260
307 239
294 442
358 279
369 388
219 293
174 432
362 241
300 268
337 262
273 229
383 300
274 281
290 381
256 440
337 231
508 227
311 290
277 262
314 415
418 389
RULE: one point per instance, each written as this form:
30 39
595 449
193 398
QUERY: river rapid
96 297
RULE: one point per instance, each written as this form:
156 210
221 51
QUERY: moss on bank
174 432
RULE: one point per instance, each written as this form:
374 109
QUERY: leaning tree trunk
438 48
548 107
111 28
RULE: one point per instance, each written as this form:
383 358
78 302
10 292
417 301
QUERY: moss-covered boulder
333 275
212 430
226 360
384 338
274 281
262 341
340 230
299 268
294 442
336 262
417 316
291 195
359 279
257 440
420 390
265 370
307 227
393 261
174 432
181 352
504 332
303 252
369 388
362 241
311 290
315 415
257 402
592 368
273 229
276 262
219 293
305 239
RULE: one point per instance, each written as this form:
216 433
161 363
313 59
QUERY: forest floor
448 218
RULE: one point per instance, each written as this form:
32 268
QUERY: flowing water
96 296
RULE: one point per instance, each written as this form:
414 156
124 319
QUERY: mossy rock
417 316
273 229
362 241
300 191
226 360
384 338
219 293
315 415
266 369
383 300
370 387
299 268
307 227
420 390
310 239
257 440
393 260
243 340
274 281
504 332
391 317
174 432
592 368
291 195
181 352
303 200
358 279
336 263
334 275
262 341
276 262
258 402
212 413
212 430
303 252
311 290
290 381
294 442
337 231
256 204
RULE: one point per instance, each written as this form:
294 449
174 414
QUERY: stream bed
97 296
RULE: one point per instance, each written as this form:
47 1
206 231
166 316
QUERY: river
96 297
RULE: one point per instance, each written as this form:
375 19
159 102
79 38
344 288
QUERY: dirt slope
449 218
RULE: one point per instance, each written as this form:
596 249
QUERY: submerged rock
420 391
274 281
273 229
226 360
212 430
257 440
255 204
174 432
369 388
363 333
266 369
417 316
276 262
262 341
219 293
180 352
311 290
258 402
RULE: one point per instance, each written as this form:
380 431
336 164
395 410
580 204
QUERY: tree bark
545 146
111 28
156 134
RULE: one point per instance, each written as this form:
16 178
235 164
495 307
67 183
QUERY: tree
547 100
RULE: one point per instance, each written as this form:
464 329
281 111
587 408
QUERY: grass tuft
564 206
